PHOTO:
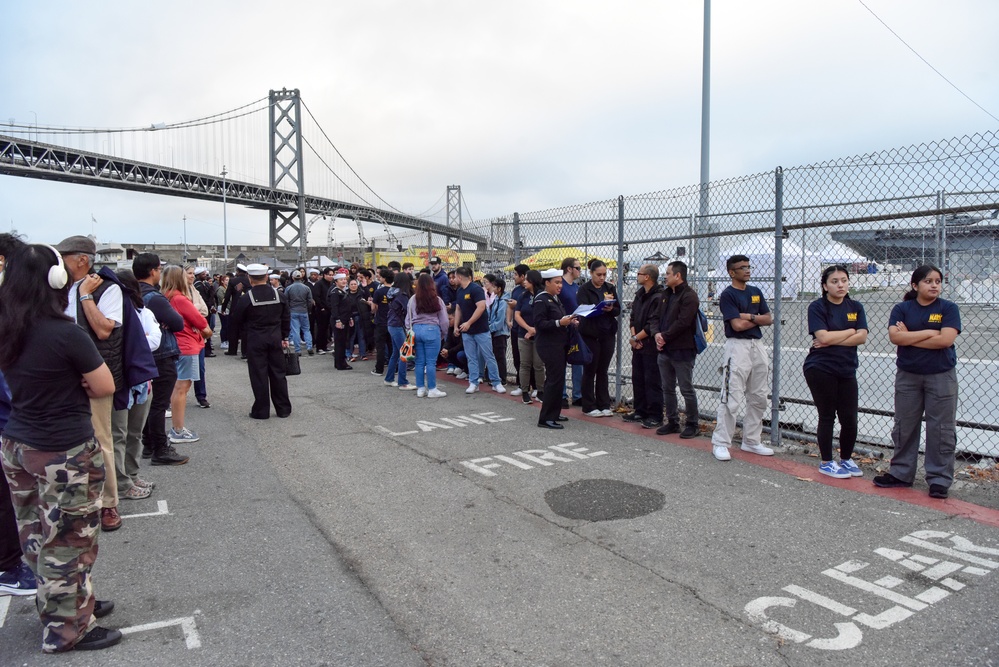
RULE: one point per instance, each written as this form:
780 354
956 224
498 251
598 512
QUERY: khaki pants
745 377
100 417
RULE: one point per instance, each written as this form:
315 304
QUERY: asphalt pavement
373 527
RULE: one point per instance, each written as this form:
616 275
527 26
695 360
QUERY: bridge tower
454 216
287 168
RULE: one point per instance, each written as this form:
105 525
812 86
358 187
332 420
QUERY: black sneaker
97 639
889 481
102 608
311 351
937 491
526 398
689 431
633 417
168 456
668 428
565 403
577 402
203 402
652 423
147 453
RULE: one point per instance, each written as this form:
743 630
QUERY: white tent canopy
801 270
320 261
837 253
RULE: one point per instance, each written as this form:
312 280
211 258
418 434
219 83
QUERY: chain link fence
881 214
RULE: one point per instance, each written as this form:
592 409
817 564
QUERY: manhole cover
603 500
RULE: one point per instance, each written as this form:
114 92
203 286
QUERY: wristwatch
752 317
86 297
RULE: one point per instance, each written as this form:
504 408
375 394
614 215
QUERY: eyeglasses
577 268
741 268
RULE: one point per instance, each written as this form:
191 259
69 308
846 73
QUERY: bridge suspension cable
33 128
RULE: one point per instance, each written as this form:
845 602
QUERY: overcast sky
527 105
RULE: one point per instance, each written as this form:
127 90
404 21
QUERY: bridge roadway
31 159
376 528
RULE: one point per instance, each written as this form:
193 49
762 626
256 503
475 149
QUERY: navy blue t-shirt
467 298
939 314
381 300
734 301
838 360
517 292
525 306
568 297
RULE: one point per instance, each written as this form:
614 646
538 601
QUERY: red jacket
189 339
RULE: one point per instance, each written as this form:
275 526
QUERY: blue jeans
200 388
398 336
358 337
300 325
428 346
577 383
476 345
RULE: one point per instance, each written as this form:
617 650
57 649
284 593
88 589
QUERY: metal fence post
778 274
516 238
620 296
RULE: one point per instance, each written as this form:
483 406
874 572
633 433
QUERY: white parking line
186 623
160 511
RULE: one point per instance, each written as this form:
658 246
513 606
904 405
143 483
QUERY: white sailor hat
257 270
201 269
551 273
275 275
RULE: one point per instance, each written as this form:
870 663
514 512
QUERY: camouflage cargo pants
57 498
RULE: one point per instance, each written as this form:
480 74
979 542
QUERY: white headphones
57 272
57 276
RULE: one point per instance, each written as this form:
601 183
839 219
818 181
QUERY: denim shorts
187 367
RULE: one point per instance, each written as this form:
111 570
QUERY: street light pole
225 227
185 239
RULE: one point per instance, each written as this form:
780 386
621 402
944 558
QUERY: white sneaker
452 371
391 384
499 389
472 388
534 393
595 413
407 387
461 375
721 453
757 449
607 413
436 393
516 391
421 392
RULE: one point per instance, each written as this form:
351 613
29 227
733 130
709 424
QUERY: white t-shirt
109 305
152 328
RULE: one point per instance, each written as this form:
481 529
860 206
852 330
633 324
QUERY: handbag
407 352
292 364
578 353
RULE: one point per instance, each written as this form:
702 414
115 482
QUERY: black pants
266 364
322 337
834 397
499 351
553 357
154 432
341 346
10 543
647 385
382 341
596 390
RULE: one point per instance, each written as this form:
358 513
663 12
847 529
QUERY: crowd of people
94 362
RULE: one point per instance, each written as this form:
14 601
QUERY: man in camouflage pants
56 499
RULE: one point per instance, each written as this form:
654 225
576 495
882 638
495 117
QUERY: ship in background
970 242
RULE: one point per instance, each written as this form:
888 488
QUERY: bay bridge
133 159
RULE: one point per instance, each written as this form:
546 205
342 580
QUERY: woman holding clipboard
599 333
